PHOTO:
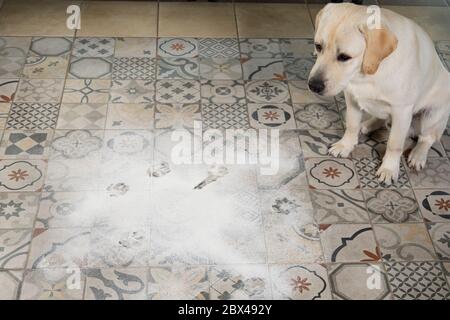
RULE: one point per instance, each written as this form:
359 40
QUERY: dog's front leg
400 123
345 146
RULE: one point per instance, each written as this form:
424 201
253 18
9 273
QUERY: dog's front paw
341 149
388 173
417 158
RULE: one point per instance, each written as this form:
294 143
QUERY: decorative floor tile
224 116
300 282
298 68
291 169
76 144
260 48
287 206
190 283
177 91
10 281
270 91
72 175
25 144
14 46
93 47
39 90
86 91
178 47
8 90
134 68
443 46
317 116
446 59
22 175
11 67
339 206
342 107
417 280
4 110
351 281
17 210
349 243
331 173
135 47
437 150
300 93
132 91
178 68
90 68
53 284
59 248
294 244
116 284
222 91
371 146
279 116
263 69
130 116
33 116
135 144
14 247
436 174
66 210
218 68
367 169
176 115
82 116
445 140
392 206
111 247
51 46
404 242
239 282
293 48
434 204
43 67
440 235
315 143
218 48
446 269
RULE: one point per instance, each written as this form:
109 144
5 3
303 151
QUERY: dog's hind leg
430 129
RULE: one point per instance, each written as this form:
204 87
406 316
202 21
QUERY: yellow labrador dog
392 73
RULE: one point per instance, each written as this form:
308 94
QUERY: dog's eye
343 57
318 47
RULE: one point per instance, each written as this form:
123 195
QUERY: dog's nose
316 85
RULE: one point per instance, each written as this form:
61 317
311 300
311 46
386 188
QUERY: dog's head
346 46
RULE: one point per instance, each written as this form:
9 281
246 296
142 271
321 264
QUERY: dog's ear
380 43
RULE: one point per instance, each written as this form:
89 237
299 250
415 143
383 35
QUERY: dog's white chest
375 108
366 99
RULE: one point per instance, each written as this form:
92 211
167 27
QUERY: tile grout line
157 26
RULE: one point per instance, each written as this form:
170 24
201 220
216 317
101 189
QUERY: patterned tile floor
91 207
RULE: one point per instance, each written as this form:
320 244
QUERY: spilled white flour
164 220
